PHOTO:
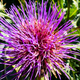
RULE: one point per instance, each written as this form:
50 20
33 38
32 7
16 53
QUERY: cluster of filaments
35 42
38 48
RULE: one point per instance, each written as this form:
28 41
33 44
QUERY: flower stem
4 64
5 71
40 78
68 2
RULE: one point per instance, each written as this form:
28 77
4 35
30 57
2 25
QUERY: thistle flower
34 41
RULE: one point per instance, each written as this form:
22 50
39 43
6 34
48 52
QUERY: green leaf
73 10
4 15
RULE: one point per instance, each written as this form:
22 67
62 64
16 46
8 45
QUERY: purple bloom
35 42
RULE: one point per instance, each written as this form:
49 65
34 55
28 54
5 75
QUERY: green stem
68 2
40 78
72 71
53 1
5 66
5 71
61 4
74 75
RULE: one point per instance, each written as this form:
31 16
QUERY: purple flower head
34 41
